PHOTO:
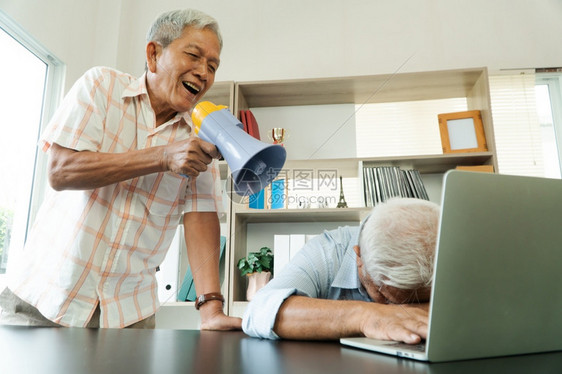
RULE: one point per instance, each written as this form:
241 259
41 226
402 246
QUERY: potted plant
257 266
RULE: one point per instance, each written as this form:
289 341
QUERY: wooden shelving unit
471 84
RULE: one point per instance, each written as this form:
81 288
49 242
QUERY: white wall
282 39
80 33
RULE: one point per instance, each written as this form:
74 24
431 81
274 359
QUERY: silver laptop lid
498 288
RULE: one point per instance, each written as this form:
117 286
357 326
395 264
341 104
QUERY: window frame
52 95
554 83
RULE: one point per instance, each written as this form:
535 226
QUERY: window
523 123
548 91
31 86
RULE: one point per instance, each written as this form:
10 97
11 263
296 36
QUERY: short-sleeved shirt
104 245
325 268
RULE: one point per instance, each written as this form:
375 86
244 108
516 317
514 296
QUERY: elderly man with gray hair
373 280
126 169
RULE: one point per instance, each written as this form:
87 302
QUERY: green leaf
256 262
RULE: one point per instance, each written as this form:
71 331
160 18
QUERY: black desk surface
73 350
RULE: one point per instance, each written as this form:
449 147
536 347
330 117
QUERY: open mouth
191 87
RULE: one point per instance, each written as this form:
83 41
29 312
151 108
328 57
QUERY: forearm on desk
202 237
303 317
318 319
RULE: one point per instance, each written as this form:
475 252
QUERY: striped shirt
325 268
104 245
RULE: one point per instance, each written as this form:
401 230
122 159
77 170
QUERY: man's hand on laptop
405 323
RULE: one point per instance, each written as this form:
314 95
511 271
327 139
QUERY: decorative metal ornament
341 203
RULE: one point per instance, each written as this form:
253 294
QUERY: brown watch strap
202 299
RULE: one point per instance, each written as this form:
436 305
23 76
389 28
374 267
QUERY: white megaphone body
254 164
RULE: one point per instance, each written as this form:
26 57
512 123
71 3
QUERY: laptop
497 287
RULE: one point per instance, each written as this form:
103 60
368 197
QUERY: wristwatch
202 299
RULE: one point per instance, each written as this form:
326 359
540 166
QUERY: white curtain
516 124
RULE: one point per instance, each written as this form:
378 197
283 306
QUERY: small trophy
278 135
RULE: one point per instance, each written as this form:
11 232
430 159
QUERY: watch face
202 299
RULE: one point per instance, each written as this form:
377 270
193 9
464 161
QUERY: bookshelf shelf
300 215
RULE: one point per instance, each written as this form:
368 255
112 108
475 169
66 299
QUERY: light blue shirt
325 268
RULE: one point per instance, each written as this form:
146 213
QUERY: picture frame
462 132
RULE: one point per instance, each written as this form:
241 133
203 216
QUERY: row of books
383 182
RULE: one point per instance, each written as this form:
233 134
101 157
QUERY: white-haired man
373 280
119 150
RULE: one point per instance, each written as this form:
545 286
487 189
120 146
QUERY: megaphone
254 164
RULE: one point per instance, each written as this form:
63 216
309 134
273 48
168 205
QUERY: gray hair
398 242
170 25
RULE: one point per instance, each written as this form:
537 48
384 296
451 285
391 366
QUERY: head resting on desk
396 250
